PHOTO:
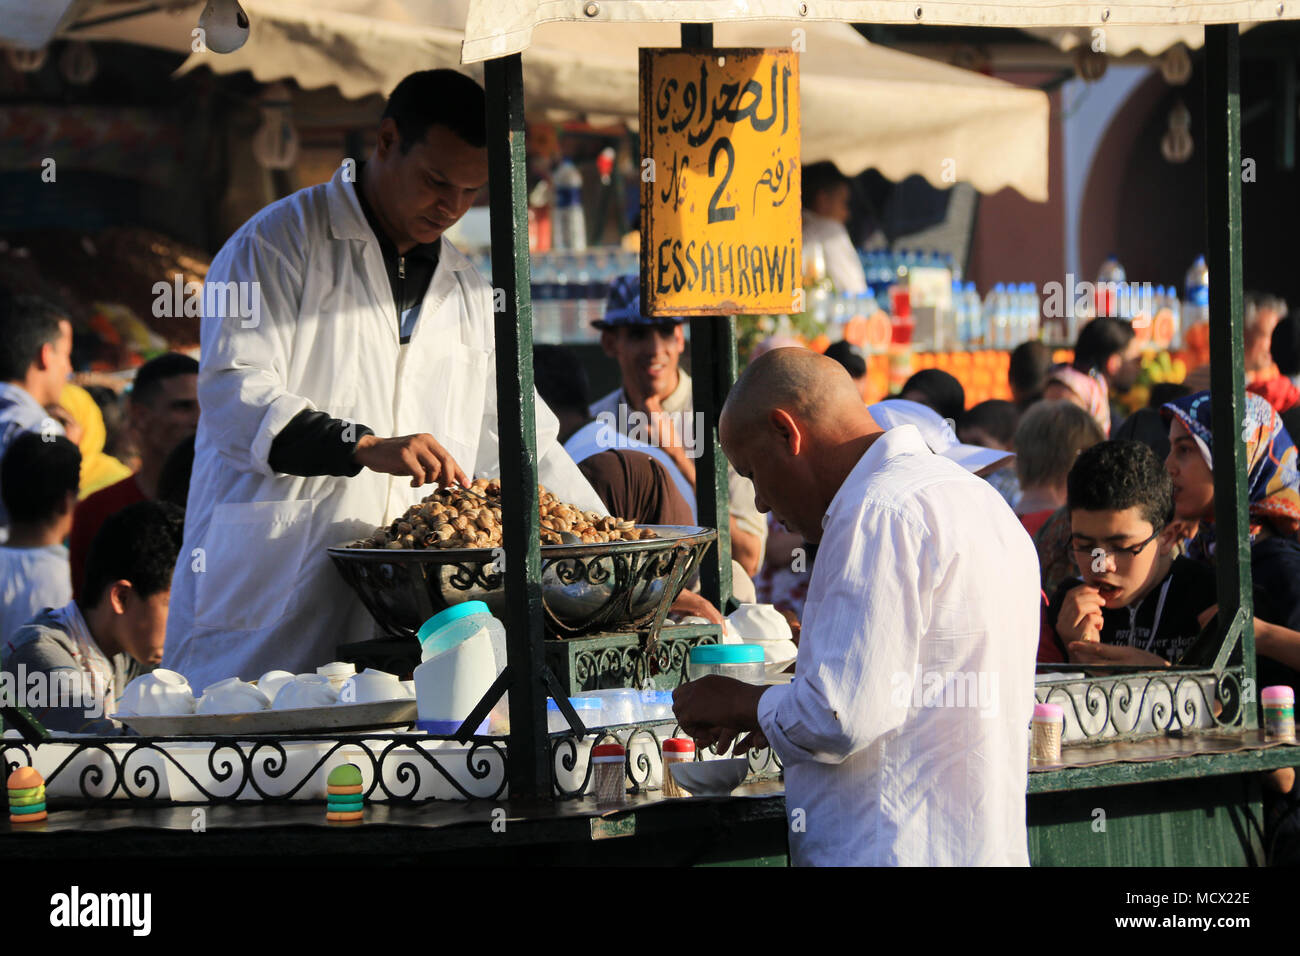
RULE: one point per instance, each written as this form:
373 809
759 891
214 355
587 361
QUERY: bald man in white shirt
905 732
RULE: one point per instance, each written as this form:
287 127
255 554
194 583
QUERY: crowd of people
911 538
88 539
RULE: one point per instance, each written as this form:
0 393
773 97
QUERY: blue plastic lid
446 728
726 654
445 617
578 703
657 696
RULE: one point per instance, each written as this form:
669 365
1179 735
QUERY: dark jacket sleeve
313 444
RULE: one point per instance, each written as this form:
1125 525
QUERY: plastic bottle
1021 331
543 288
1107 299
973 308
582 301
996 334
1196 309
570 221
961 319
1176 309
1033 310
462 650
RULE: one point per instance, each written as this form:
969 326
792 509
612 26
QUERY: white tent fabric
862 105
29 26
1121 41
498 27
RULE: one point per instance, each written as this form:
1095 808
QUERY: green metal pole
713 370
527 749
1227 367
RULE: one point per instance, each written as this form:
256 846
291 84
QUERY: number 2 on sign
721 213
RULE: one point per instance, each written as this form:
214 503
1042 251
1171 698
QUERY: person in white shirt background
905 731
648 350
826 193
35 362
38 484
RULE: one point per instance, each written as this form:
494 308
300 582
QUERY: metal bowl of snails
598 573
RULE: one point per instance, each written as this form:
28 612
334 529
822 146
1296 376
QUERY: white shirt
254 588
842 262
924 575
595 437
20 412
31 579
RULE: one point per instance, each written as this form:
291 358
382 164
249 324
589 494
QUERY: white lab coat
254 588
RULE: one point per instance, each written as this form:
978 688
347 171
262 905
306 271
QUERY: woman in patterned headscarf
1273 490
1088 390
1272 480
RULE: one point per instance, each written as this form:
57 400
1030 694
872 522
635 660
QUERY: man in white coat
334 317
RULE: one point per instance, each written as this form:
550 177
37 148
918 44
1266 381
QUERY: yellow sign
720 200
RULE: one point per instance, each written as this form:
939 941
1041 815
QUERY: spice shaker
1045 738
607 770
676 750
1279 712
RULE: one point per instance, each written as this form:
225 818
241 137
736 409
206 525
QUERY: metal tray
378 715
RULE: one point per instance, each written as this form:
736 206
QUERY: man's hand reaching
418 456
714 710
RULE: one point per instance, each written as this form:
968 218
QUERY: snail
459 518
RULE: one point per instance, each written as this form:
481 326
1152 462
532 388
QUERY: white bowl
306 690
271 682
231 696
160 693
764 625
710 778
758 624
371 686
337 672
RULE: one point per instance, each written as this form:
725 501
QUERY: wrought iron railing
398 768
1110 704
642 744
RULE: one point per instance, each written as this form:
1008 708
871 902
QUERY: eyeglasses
1122 557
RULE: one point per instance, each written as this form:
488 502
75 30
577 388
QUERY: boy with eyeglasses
1134 602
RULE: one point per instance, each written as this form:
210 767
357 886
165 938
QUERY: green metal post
713 370
527 750
1227 369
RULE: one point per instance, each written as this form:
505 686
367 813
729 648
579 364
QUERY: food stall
1170 759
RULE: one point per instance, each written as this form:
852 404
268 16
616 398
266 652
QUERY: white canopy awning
863 105
498 27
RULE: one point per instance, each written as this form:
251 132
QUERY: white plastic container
620 705
656 705
589 712
459 665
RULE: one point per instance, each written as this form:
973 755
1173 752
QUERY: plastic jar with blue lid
741 661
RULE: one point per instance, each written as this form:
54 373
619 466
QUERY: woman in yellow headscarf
98 470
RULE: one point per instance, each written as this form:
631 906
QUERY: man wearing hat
656 398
